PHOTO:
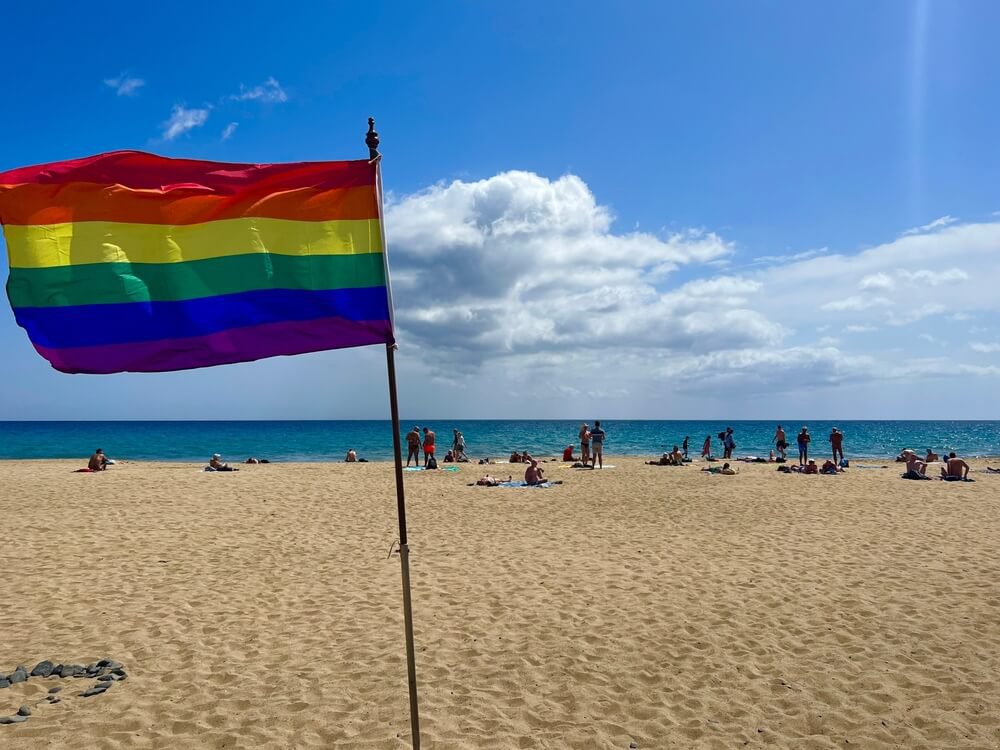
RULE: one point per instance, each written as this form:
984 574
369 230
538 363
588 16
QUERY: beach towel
865 466
956 479
84 471
912 475
421 468
525 485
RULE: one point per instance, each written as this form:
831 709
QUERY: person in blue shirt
597 436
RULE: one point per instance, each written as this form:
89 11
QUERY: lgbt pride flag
128 261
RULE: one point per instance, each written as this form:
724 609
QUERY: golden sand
660 606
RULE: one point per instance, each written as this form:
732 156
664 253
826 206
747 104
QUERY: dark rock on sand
54 690
18 675
12 719
43 669
106 678
96 690
24 711
4 682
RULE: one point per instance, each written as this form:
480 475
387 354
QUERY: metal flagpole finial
371 139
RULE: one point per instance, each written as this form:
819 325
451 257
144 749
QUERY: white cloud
935 278
984 347
182 120
855 303
939 223
268 91
766 259
227 133
125 85
877 282
521 281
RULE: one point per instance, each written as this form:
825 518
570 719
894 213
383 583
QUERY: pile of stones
105 673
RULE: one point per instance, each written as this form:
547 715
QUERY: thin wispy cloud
268 92
939 223
985 348
182 120
230 129
791 258
124 85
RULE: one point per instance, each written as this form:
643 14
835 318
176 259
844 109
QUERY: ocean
330 440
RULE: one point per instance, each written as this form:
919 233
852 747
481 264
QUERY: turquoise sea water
329 440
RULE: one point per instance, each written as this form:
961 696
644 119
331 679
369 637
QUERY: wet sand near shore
659 606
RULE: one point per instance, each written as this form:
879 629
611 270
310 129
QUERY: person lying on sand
725 469
829 467
991 470
534 474
98 462
810 468
489 481
216 464
955 468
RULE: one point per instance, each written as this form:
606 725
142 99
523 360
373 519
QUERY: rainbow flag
131 262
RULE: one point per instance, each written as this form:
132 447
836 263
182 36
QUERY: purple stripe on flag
220 348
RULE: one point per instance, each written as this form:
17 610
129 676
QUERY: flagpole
372 141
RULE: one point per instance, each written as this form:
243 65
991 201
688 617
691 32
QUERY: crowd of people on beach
421 442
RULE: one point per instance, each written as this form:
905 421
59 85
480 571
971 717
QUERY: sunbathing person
98 462
915 468
811 468
829 467
991 470
955 468
676 457
351 457
489 481
216 464
663 460
725 469
931 456
568 454
534 474
515 458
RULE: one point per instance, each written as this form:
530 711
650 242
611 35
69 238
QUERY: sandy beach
651 605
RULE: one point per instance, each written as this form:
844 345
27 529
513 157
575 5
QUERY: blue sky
705 209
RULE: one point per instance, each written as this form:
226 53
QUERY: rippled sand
660 606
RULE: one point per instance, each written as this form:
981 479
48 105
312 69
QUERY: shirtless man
585 443
413 446
428 444
676 457
597 443
956 468
217 464
914 464
931 456
780 441
837 445
98 462
534 473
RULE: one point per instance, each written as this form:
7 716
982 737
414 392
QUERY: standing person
597 436
684 445
458 447
803 440
780 441
706 449
729 443
428 446
585 443
837 444
413 445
